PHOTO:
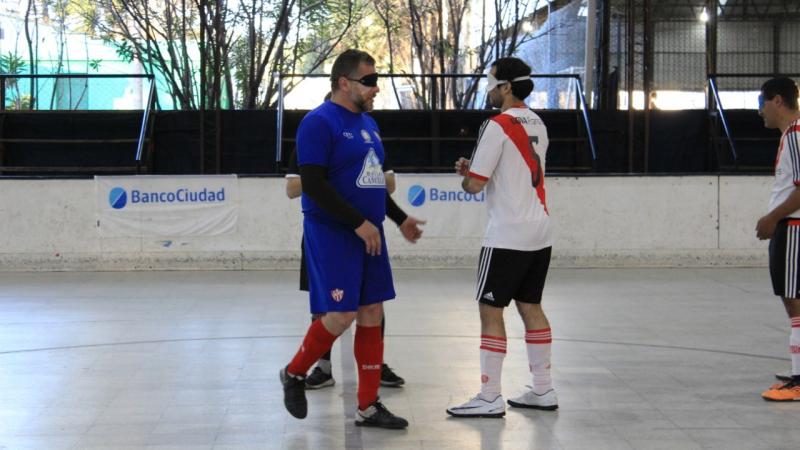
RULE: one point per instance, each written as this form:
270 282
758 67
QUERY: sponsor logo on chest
371 175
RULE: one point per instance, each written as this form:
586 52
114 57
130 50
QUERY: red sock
318 340
368 349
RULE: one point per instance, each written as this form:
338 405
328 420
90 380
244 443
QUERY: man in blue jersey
340 156
322 375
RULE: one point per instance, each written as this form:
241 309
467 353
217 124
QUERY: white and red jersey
510 156
787 167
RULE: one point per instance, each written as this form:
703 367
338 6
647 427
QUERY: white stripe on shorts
790 283
483 269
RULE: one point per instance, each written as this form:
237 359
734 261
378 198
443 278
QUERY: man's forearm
394 212
471 184
317 188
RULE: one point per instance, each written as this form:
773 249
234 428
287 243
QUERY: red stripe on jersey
794 222
516 132
479 177
790 130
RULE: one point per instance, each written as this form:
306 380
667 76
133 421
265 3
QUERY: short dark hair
785 87
346 64
510 68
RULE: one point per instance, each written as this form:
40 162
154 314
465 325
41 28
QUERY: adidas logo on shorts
489 296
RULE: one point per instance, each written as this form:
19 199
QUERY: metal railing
713 85
580 99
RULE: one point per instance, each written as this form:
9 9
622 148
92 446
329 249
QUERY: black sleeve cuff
394 212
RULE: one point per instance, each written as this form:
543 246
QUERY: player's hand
371 236
410 229
765 227
462 166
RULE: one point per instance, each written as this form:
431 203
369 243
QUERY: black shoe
319 379
389 378
376 415
294 394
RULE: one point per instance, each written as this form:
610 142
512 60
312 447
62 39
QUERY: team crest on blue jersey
366 136
371 175
337 295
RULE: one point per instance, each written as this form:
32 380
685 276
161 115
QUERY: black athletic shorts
505 275
784 260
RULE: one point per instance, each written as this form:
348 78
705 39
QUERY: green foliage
12 63
124 50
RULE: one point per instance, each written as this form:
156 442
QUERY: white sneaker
547 401
784 376
478 407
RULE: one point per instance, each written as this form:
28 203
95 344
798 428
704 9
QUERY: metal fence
77 92
432 92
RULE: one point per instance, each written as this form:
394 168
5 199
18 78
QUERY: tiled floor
643 359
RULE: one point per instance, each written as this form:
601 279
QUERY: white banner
439 199
156 205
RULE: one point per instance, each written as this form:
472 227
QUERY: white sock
325 365
493 350
794 345
538 344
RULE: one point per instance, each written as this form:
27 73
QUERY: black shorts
784 259
303 269
505 275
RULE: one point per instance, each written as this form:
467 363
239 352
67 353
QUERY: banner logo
166 206
117 198
416 195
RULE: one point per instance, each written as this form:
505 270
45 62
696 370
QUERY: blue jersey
349 146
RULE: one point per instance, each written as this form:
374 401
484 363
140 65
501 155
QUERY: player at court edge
777 105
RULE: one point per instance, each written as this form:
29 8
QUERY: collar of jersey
343 108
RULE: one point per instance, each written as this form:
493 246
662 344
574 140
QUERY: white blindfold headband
493 82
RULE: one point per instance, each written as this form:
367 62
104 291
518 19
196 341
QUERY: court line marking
393 336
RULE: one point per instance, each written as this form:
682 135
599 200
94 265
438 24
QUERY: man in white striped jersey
509 162
779 109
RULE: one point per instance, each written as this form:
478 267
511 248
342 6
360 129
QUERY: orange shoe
785 392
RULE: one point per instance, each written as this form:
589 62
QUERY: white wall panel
598 221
